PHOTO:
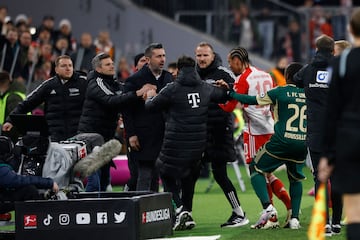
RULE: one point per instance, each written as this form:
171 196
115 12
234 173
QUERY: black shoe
236 221
335 229
184 221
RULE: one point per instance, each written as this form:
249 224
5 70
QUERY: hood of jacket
321 59
188 77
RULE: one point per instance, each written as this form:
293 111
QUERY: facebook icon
102 218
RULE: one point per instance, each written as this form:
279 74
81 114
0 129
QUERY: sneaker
328 232
236 221
268 219
336 229
288 217
5 217
190 223
294 223
184 221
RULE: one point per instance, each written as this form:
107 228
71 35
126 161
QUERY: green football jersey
288 141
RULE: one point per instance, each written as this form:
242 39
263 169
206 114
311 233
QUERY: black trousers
148 177
182 188
336 198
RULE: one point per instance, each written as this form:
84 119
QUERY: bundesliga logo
156 215
30 221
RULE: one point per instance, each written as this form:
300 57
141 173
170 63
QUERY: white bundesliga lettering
194 99
156 215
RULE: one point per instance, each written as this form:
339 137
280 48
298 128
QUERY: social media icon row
85 218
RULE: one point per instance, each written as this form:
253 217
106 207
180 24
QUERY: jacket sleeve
240 86
10 179
298 78
160 101
34 99
128 115
218 94
107 97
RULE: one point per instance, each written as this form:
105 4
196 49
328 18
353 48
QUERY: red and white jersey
254 82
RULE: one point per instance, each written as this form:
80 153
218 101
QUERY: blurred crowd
28 52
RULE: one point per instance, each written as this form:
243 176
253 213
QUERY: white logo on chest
194 99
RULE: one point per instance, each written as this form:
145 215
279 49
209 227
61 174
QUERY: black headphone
6 149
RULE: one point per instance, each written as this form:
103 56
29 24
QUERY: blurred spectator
292 43
266 28
103 43
9 47
123 70
25 42
44 36
248 30
61 47
29 68
3 14
86 51
340 46
47 23
139 61
319 24
45 52
173 69
277 73
11 94
64 31
21 22
235 26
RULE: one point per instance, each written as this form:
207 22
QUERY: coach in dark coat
63 97
186 102
145 129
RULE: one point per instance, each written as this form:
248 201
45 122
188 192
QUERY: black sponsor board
94 216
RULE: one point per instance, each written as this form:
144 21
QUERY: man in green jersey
286 146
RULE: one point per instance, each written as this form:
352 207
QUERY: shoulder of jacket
226 72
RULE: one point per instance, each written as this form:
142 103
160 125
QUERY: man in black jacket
220 142
103 102
186 102
144 129
315 78
63 96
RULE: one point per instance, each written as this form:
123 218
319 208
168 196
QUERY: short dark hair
172 65
355 22
151 47
185 61
290 71
96 61
4 76
57 60
205 44
325 43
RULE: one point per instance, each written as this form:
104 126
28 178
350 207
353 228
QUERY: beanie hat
65 22
137 58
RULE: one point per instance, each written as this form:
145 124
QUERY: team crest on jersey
322 77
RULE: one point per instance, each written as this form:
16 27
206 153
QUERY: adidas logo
53 92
